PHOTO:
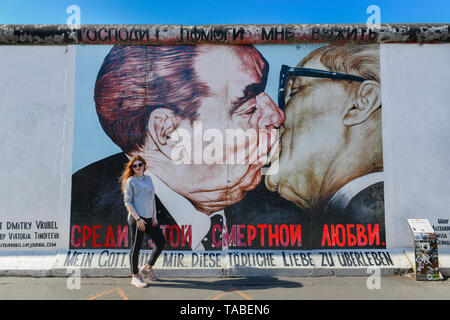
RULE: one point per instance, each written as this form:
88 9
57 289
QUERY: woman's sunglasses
140 164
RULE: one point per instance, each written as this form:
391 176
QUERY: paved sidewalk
245 288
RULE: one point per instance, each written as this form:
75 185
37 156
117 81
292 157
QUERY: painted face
239 112
312 136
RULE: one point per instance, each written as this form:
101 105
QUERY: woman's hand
141 224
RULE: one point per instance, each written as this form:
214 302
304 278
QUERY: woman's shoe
148 273
138 282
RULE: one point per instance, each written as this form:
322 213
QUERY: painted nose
272 116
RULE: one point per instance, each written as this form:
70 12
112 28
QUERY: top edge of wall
223 34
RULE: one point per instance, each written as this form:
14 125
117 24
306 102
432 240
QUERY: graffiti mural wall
266 147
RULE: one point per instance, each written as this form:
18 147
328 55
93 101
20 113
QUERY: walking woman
139 199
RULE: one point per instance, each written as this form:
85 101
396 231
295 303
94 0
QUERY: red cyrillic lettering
284 239
374 235
326 236
273 236
251 234
110 242
296 234
351 238
86 235
72 240
360 234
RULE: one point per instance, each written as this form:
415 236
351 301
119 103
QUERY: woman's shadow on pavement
259 283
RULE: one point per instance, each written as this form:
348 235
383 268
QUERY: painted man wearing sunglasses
331 158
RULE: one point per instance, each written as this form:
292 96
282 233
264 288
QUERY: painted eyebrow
298 83
296 80
250 91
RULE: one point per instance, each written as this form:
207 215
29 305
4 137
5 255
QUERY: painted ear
161 125
368 99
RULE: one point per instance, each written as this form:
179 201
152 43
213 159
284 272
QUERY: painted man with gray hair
331 161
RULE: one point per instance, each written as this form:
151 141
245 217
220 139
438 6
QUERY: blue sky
222 12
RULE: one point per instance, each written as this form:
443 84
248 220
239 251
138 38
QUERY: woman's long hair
128 171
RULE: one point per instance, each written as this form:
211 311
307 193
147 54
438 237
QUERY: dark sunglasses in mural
287 71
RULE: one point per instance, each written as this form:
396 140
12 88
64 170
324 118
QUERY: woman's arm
128 200
132 212
154 219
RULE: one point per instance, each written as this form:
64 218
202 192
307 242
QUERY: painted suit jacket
97 202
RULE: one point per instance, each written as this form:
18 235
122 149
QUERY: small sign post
425 250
